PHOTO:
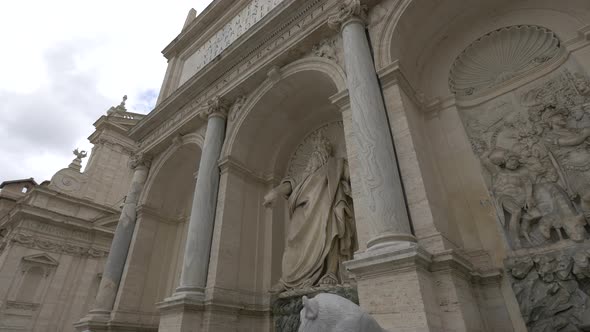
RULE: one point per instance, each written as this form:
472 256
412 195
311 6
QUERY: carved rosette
349 10
216 107
140 160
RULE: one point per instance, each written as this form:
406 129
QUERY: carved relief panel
526 110
533 148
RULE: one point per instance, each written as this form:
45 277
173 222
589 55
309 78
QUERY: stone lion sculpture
329 312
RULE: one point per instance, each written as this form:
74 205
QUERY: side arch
192 138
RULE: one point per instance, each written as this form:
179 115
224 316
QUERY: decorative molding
34 242
171 124
341 100
22 305
393 75
274 74
43 258
230 163
306 17
146 210
501 57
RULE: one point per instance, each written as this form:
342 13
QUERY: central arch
248 239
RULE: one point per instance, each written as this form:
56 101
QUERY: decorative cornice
153 212
230 163
413 256
341 100
217 77
348 11
384 260
274 74
49 245
27 306
392 74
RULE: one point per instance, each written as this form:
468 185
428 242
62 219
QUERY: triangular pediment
41 259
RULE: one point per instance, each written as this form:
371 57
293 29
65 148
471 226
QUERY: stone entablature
250 14
52 221
228 73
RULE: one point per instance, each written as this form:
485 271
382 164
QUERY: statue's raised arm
284 189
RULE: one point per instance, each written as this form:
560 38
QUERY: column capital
348 11
140 160
216 107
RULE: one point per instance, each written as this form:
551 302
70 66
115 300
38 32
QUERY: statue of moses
321 232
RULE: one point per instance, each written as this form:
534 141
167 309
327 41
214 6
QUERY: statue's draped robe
321 223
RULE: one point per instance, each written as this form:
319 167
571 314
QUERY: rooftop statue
119 108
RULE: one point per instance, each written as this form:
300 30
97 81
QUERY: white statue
333 313
320 231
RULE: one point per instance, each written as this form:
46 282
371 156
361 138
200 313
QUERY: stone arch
192 138
326 67
248 238
425 51
154 261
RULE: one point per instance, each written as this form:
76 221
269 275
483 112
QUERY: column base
182 312
394 286
408 289
94 322
390 239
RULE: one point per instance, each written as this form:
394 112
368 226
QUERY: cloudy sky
65 62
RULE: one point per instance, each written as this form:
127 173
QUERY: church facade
428 160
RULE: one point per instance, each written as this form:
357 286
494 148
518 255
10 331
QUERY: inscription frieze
307 17
229 33
56 230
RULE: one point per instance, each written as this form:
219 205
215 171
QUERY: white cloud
65 62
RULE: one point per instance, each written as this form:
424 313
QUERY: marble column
379 175
200 229
113 270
